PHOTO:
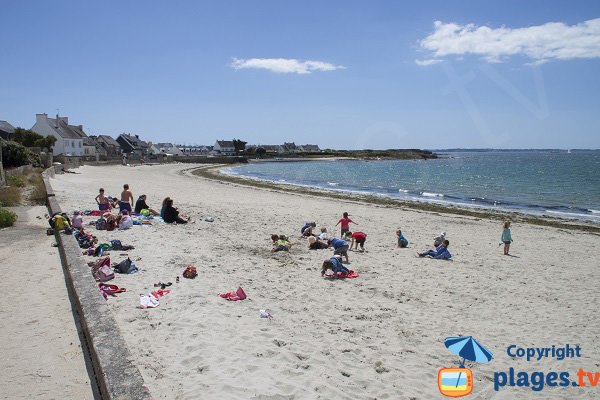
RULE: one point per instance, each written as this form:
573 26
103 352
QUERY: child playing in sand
439 240
126 199
402 241
506 237
323 235
308 226
340 247
440 253
357 238
345 224
103 202
316 244
334 264
280 243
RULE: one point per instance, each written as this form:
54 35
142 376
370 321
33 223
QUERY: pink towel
342 275
239 294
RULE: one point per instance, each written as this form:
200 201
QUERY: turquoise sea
542 182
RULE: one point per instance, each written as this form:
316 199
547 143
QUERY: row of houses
72 140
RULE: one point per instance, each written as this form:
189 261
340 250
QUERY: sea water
552 182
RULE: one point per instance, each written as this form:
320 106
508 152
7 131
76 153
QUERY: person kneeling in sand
334 264
280 243
402 241
440 253
316 244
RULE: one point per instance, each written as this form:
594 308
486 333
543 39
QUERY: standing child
126 199
345 224
103 202
506 237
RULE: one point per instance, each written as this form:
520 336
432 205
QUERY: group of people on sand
168 212
352 240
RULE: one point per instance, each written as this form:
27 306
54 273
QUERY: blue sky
340 74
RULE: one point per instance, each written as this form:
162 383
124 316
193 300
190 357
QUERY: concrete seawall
116 373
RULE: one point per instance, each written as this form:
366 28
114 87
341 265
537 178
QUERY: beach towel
343 275
160 293
239 294
148 301
107 289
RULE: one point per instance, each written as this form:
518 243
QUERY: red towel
342 275
96 213
239 294
107 289
160 293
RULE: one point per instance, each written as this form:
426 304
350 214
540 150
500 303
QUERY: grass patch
15 181
10 196
38 192
7 218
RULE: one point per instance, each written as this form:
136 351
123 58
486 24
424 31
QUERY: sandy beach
380 336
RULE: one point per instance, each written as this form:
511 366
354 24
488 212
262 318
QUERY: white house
225 147
69 141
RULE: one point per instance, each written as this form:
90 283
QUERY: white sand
378 336
41 352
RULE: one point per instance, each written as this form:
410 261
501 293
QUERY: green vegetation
10 196
38 192
15 181
16 155
7 218
29 138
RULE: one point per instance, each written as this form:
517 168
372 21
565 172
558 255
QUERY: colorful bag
190 272
104 274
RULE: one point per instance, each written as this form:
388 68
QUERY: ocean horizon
556 183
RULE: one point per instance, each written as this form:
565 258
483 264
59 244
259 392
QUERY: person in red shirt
345 221
356 239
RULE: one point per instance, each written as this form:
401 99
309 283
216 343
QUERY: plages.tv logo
458 382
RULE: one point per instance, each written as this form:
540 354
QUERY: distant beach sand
378 336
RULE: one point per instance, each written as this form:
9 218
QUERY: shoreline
514 216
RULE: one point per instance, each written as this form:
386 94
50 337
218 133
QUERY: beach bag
126 267
190 272
99 263
104 274
145 212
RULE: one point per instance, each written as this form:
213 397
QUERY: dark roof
79 131
107 140
225 143
6 127
63 129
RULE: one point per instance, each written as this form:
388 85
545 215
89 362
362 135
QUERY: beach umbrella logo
458 382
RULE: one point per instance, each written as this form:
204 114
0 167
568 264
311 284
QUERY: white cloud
284 65
541 43
425 63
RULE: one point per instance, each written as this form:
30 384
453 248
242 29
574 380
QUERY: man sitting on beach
126 199
440 253
140 205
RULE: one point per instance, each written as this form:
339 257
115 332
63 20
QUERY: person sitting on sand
126 199
357 238
339 247
334 264
316 244
402 241
171 214
323 235
164 204
440 253
140 205
124 220
439 239
104 204
280 243
77 220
